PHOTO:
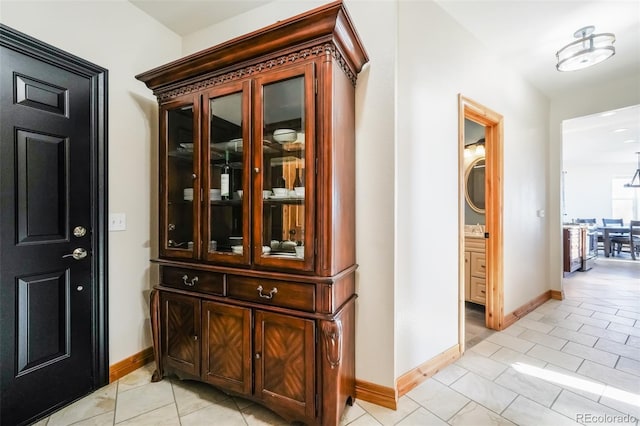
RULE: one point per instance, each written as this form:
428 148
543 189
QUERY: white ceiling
188 16
613 137
524 34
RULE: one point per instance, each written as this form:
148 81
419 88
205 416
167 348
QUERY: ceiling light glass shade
480 150
588 50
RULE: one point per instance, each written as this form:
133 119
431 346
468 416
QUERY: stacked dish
187 194
285 135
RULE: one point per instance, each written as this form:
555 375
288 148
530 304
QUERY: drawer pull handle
266 296
193 281
482 291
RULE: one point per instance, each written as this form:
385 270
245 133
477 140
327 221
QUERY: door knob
77 254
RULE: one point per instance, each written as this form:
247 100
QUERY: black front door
52 286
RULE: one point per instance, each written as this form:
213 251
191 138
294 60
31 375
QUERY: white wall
437 60
619 93
375 113
588 189
117 36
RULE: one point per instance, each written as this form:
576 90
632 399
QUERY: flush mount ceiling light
636 176
588 50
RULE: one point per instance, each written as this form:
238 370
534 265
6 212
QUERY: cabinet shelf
226 203
281 201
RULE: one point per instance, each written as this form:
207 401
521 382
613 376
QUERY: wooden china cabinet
257 215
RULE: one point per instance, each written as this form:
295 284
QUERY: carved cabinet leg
155 334
338 364
332 339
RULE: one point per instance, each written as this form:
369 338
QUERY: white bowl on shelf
280 192
285 135
236 249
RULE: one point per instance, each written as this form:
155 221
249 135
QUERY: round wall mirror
474 185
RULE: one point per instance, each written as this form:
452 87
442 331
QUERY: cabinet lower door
226 346
285 362
180 316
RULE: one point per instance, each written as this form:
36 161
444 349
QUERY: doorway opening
480 218
599 152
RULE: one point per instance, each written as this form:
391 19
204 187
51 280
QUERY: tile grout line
175 403
115 405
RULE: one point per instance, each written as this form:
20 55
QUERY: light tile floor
568 362
474 325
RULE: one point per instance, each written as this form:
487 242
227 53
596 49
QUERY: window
625 202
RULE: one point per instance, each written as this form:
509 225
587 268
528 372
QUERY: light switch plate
117 222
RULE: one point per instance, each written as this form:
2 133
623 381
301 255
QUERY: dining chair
634 238
617 239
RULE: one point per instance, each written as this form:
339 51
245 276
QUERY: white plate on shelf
282 254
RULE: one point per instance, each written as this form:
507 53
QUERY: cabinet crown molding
326 25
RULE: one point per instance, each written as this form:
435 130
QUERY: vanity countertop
474 231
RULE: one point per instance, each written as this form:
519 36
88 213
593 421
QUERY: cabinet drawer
478 265
478 290
272 292
474 244
191 279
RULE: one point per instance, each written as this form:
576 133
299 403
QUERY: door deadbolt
77 254
79 231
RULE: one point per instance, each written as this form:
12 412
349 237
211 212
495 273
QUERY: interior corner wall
431 74
618 93
375 135
124 40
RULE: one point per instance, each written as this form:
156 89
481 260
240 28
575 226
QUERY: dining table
607 231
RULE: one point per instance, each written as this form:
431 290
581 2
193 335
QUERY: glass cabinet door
180 184
285 161
227 153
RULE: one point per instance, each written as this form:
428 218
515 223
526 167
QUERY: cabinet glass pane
226 172
283 150
180 162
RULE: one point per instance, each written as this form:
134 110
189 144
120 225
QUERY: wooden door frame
493 122
98 77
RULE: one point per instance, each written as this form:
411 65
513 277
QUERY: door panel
180 197
226 346
37 156
228 152
284 164
285 362
180 316
48 298
43 321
